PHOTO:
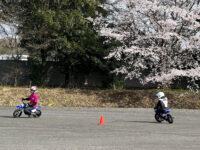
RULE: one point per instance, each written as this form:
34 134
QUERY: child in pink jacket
33 101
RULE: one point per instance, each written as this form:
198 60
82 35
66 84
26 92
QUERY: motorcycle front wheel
38 113
169 118
17 113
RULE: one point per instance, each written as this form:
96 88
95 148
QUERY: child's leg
164 113
27 111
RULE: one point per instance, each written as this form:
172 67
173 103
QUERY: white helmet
160 94
33 88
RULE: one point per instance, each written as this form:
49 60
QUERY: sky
10 30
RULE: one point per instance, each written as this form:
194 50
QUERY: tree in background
63 31
10 42
161 39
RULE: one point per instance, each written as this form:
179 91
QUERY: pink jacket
33 99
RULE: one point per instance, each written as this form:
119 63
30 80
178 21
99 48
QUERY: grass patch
60 97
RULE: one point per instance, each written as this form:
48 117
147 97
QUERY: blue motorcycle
167 116
22 108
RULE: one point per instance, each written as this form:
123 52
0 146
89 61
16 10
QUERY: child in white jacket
162 104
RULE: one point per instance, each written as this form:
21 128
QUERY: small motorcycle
21 108
159 118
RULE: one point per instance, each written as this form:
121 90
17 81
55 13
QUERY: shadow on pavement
143 121
138 121
10 117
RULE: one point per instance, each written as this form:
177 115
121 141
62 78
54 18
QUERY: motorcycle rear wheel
17 113
158 118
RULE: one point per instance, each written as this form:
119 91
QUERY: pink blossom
165 38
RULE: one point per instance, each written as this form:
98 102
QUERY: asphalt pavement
79 129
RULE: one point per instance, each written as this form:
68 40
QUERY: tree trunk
67 79
43 67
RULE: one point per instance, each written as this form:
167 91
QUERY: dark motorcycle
22 108
159 118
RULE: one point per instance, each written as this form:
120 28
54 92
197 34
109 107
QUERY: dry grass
10 96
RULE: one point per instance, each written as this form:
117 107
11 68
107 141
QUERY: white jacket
165 101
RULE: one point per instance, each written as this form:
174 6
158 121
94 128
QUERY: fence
18 73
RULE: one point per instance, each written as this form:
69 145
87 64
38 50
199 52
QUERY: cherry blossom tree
160 39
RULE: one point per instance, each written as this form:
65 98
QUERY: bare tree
8 27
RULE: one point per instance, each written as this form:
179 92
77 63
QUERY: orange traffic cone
101 122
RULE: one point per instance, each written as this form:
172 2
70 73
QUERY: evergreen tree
61 30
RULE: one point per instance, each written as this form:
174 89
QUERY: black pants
160 111
28 110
